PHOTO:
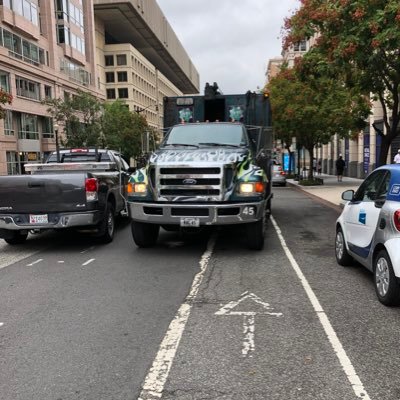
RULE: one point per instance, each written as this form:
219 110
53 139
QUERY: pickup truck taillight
91 188
396 219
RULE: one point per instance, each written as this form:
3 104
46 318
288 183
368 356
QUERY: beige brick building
111 49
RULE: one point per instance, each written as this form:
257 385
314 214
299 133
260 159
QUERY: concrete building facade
110 49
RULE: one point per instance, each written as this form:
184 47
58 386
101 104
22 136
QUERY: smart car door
363 214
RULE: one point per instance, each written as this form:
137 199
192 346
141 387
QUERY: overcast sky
230 41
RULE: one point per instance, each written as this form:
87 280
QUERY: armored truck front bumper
203 214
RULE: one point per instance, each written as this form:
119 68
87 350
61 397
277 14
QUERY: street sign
258 307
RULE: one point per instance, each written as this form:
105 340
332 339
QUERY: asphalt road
84 321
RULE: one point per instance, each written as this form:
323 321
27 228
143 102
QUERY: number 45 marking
250 211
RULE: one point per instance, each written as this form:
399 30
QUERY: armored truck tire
106 230
17 238
255 233
144 235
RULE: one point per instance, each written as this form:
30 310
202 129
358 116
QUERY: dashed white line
88 262
35 262
155 380
344 360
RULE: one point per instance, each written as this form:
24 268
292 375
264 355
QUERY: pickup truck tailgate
42 193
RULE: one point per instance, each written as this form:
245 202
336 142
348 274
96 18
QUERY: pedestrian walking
340 164
396 159
319 167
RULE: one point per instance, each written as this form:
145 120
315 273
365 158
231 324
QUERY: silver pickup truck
85 189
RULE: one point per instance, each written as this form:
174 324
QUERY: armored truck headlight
136 188
251 188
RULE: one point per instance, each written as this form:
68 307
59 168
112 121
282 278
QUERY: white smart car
368 230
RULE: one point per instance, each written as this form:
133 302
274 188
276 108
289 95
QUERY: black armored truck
212 168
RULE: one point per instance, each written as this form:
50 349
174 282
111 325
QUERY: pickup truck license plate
38 219
190 222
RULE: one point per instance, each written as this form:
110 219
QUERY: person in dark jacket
340 164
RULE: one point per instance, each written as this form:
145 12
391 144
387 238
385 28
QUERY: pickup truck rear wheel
256 234
144 235
17 238
107 226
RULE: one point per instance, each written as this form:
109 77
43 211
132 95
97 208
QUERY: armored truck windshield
212 134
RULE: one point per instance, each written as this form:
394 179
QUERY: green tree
313 106
80 116
361 39
123 129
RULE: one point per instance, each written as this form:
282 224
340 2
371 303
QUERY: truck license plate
190 222
38 219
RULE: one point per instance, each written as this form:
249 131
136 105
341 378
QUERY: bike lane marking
155 380
249 323
337 346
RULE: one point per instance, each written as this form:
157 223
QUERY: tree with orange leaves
361 40
310 103
5 98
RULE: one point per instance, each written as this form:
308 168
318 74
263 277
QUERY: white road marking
61 262
249 327
1 323
154 382
86 250
35 262
88 262
249 323
344 360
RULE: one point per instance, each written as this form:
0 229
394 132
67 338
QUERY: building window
110 77
5 81
121 59
63 34
75 72
110 93
109 61
12 163
122 76
300 46
47 92
21 48
47 127
28 127
27 88
25 8
8 123
123 93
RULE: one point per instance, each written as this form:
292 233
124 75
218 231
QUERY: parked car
76 188
368 230
278 175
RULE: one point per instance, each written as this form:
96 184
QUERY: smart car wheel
386 286
342 256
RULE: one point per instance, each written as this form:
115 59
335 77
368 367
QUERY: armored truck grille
183 181
178 183
188 170
189 192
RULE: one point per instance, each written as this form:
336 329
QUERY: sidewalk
331 191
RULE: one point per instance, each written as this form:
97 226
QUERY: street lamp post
57 144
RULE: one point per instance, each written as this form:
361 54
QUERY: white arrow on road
249 318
